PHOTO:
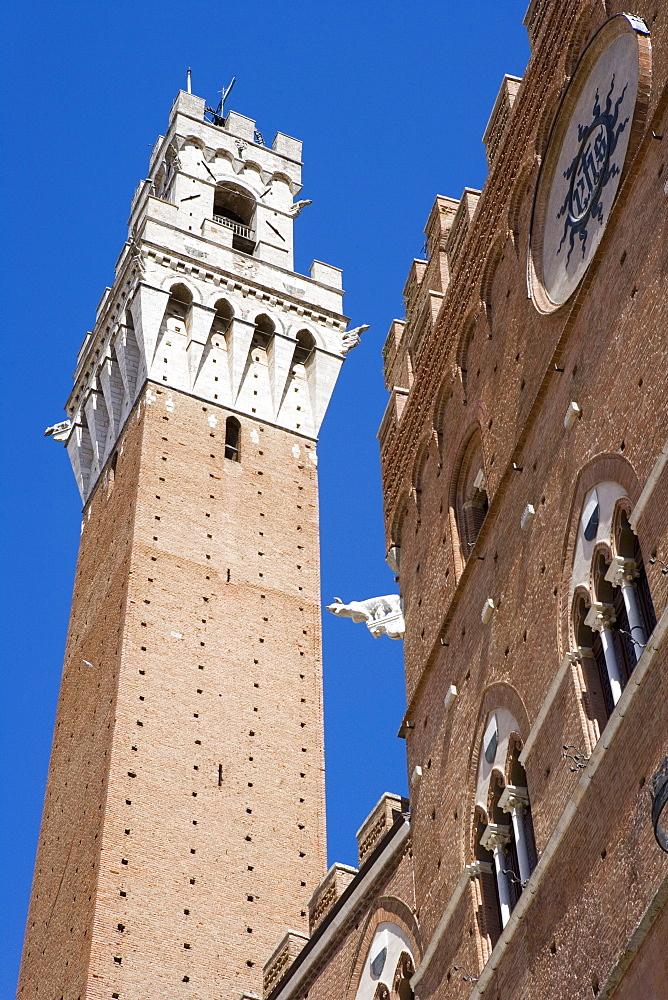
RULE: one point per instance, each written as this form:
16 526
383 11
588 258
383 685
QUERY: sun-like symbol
591 169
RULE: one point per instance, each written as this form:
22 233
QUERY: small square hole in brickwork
192 881
192 850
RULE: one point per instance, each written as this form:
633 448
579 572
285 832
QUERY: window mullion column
515 800
601 618
494 839
622 573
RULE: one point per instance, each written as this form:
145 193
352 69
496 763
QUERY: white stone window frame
501 729
610 498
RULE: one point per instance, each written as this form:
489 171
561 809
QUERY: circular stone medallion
604 105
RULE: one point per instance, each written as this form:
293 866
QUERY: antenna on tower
189 82
218 114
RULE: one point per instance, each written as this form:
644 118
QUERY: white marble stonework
584 161
205 299
380 966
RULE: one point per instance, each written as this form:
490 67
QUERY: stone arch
224 308
175 286
305 347
265 328
468 500
490 268
499 847
606 467
235 201
515 747
599 588
519 194
552 101
283 178
193 140
442 399
463 357
583 30
417 477
181 292
386 910
579 632
396 536
620 526
252 173
223 154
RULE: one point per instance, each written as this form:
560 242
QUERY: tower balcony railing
236 227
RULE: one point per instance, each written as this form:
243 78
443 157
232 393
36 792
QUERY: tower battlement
205 300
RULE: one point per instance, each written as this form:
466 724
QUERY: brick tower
184 817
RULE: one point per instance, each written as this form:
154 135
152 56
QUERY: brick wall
201 812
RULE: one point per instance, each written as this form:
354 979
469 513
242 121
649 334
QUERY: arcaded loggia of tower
184 822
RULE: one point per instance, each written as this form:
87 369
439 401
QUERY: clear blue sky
391 100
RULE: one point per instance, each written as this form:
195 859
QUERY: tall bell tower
184 822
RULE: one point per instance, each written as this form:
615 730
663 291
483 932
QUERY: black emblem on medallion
591 169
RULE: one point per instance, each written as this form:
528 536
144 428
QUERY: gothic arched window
232 439
503 844
305 347
234 208
613 613
470 495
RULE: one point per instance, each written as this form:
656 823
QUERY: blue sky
391 101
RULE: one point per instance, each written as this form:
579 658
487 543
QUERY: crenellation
495 131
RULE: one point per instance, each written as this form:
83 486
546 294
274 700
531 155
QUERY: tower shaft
184 820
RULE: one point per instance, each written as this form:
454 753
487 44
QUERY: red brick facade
184 819
524 463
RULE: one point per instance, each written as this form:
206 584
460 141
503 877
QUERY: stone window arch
504 853
387 965
179 302
393 557
518 198
487 282
419 475
582 32
265 328
234 207
233 439
464 356
612 613
468 495
442 400
304 348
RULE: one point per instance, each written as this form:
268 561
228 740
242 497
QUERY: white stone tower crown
205 299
